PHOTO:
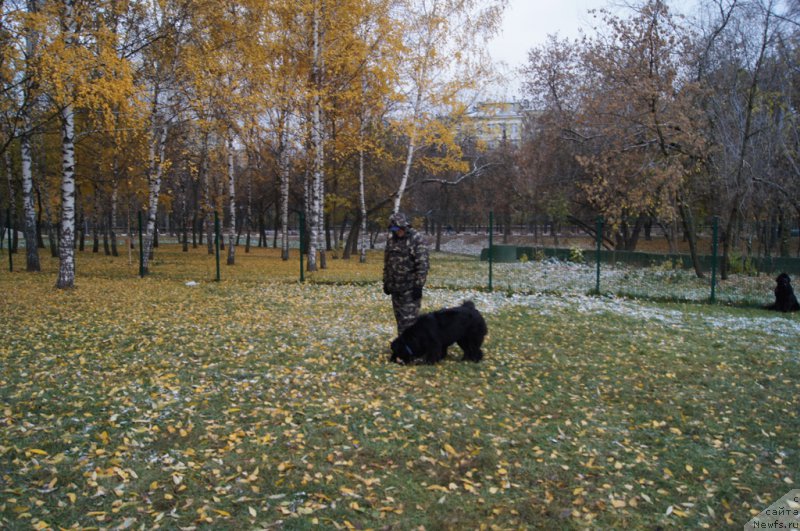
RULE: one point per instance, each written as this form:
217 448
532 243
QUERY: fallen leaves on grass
143 404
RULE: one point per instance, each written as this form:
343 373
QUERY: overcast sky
527 23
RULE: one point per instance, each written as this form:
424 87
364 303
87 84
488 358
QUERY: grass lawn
260 402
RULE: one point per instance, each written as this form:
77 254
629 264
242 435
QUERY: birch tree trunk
362 200
207 224
155 170
112 216
231 204
29 212
249 212
66 244
362 257
283 169
412 146
315 189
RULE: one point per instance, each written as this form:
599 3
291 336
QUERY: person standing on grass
405 269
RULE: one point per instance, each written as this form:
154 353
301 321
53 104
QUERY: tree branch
476 172
782 190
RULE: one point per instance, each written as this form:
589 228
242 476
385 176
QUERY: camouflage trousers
406 310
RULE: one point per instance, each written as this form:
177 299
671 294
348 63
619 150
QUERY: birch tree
21 104
30 94
443 59
231 202
316 190
162 70
79 69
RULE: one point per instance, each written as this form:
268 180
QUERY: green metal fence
646 261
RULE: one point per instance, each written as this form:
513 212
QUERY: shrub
742 265
576 255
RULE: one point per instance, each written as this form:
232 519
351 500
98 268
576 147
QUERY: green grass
256 401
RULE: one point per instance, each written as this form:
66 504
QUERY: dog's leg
433 355
472 352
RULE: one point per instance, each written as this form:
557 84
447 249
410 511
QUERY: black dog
426 341
785 299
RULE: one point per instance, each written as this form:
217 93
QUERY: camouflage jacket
405 263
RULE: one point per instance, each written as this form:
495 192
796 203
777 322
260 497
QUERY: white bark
66 244
208 206
316 189
155 170
283 168
362 200
231 204
412 146
29 212
114 203
254 165
362 244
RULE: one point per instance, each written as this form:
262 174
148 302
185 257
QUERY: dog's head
401 351
784 281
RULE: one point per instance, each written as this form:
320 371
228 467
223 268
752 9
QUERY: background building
493 123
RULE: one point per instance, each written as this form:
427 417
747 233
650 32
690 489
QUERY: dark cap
397 221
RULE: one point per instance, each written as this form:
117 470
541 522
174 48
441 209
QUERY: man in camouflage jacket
405 268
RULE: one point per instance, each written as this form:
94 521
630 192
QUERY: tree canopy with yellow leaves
177 110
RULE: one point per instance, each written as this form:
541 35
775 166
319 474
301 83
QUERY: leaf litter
258 403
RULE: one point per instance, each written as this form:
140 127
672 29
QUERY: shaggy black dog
426 341
785 299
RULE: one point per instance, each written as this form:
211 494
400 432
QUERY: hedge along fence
639 284
770 265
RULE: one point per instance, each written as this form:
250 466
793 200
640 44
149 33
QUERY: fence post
300 245
491 246
216 241
141 247
599 229
714 244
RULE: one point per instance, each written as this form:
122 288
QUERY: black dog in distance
427 340
785 299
